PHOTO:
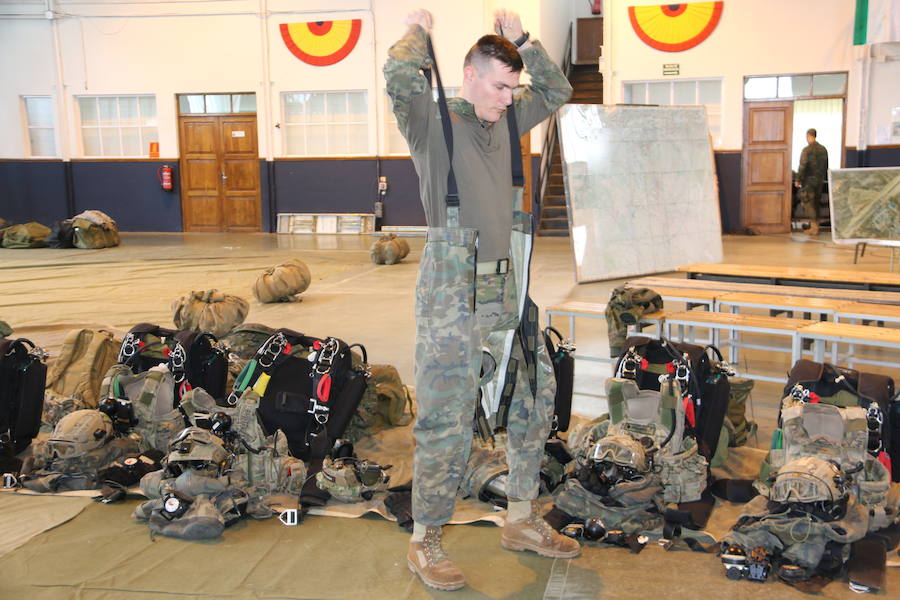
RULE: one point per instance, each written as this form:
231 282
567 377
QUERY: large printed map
640 188
865 205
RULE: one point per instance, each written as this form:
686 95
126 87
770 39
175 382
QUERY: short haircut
811 132
494 46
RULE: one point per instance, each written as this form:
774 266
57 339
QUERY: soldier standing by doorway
811 175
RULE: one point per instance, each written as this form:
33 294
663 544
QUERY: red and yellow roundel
675 27
321 43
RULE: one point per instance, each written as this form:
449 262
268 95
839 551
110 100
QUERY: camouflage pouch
386 403
201 519
683 475
573 499
740 428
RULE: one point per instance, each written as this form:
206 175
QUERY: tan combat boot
428 560
535 534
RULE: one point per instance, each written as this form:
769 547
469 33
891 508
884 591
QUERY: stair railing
551 137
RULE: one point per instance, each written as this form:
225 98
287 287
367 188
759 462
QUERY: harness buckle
326 356
630 364
319 411
128 348
682 372
268 353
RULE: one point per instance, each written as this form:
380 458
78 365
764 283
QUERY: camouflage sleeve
549 88
408 88
804 164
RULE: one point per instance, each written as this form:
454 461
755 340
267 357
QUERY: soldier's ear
469 73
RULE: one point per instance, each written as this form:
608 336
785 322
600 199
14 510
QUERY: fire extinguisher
164 174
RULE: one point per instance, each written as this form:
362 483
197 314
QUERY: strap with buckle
492 267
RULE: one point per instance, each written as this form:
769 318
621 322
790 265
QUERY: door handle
224 176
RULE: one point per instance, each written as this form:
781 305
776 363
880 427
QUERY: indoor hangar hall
546 299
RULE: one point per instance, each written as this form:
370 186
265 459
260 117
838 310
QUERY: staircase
587 84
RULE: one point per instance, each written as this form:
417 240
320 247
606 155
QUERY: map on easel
865 205
640 188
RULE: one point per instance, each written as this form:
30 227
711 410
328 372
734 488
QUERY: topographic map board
640 189
865 205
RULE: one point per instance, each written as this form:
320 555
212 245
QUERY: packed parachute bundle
637 468
388 250
83 444
824 497
283 282
209 310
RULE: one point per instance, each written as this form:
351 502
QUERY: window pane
91 139
294 138
218 103
149 134
685 92
88 109
710 92
336 107
148 109
244 103
337 139
109 137
109 113
315 109
294 108
317 140
191 104
39 111
829 84
42 142
131 141
785 87
761 87
801 85
626 94
659 92
358 106
128 108
358 139
639 93
395 142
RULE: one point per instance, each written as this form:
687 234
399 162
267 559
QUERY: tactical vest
635 461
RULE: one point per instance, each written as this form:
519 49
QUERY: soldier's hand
419 17
508 24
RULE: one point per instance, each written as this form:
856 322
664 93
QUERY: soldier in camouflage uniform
450 329
811 176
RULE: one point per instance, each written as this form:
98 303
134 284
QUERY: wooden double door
766 205
219 173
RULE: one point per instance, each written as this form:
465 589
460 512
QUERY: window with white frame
325 123
39 123
117 125
681 92
394 143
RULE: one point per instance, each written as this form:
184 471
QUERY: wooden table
803 276
846 333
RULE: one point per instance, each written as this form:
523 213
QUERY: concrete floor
104 554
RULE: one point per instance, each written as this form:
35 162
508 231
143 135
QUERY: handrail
550 138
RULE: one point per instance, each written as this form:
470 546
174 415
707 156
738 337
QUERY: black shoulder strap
515 147
452 199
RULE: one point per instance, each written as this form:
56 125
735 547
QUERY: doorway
778 111
219 163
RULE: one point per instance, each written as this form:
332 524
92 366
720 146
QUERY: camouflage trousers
450 334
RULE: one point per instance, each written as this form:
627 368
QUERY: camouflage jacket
481 160
813 169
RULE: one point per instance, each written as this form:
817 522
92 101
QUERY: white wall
884 93
753 37
167 47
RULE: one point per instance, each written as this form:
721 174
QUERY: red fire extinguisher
164 174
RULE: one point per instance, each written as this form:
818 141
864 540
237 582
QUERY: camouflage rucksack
79 369
94 229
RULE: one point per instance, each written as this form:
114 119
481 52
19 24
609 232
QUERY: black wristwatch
521 39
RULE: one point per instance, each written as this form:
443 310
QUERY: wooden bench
597 310
847 333
759 288
740 323
820 277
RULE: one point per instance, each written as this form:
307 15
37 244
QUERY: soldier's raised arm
408 88
549 88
